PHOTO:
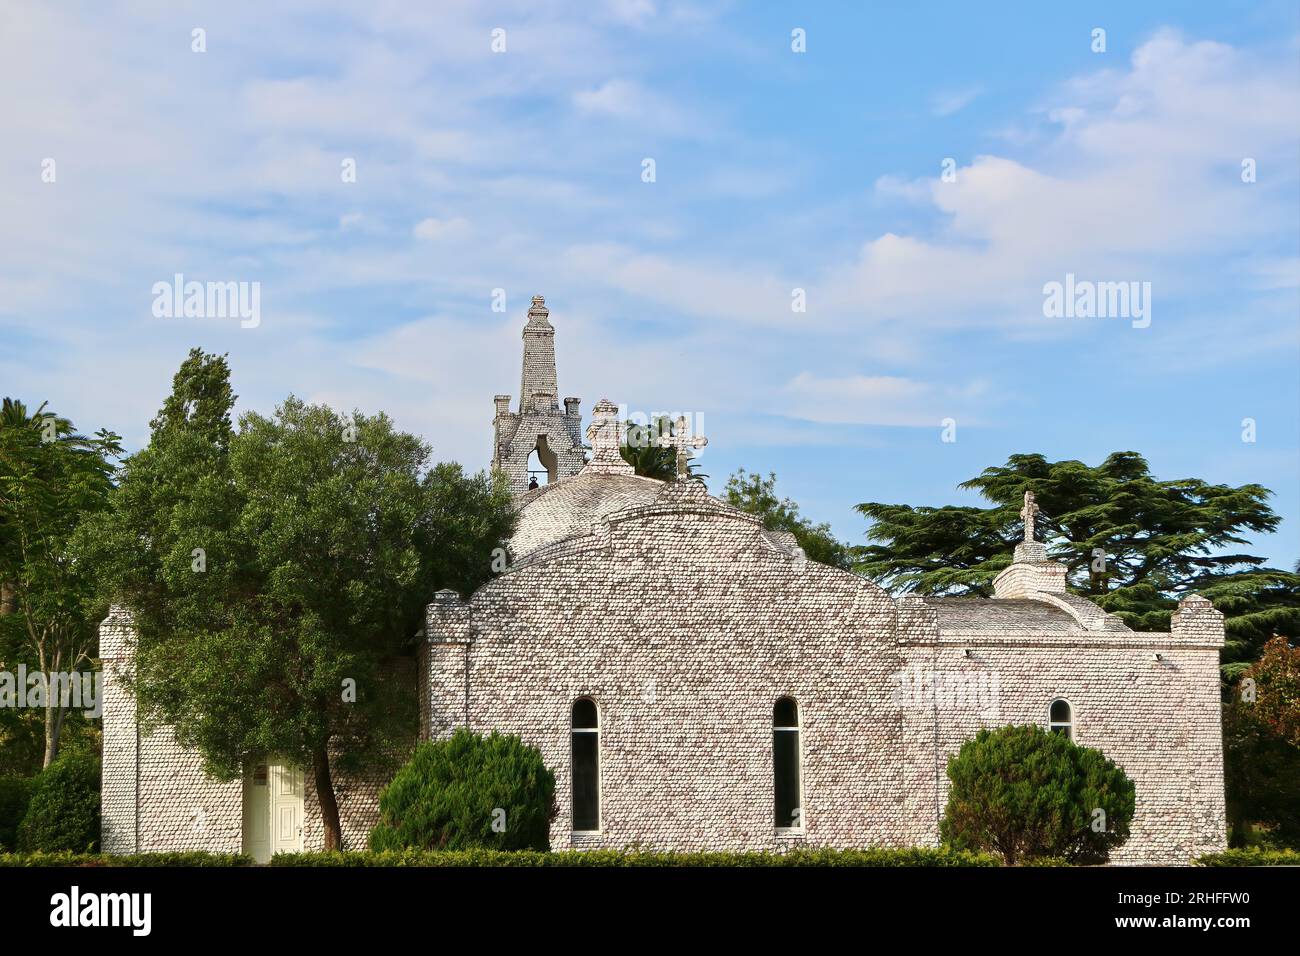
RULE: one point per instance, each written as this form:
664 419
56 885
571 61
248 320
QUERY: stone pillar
538 373
445 666
604 434
1197 618
120 800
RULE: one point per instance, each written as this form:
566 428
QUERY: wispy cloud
952 101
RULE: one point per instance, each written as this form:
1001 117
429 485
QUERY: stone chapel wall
158 798
685 629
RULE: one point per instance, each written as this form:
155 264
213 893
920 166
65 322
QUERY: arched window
786 765
542 462
586 766
1060 718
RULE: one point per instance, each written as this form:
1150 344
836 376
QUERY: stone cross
1027 512
681 440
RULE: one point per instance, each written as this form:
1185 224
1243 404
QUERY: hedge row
188 858
1252 857
918 856
525 858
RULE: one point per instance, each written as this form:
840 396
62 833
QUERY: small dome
572 506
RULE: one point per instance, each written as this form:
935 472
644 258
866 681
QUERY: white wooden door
273 811
257 815
286 809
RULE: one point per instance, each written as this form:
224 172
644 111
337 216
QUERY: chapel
696 683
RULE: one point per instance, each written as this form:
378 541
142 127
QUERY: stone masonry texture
684 621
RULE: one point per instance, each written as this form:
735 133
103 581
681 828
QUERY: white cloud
881 400
228 165
631 102
953 101
434 230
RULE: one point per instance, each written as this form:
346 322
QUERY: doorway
273 810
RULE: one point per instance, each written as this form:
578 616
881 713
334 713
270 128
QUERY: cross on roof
681 439
1027 512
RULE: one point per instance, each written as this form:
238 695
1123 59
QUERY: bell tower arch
539 424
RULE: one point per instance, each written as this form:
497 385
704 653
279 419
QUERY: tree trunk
329 805
54 714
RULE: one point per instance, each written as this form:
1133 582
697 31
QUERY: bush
64 810
1252 857
465 792
1023 792
15 794
911 857
188 858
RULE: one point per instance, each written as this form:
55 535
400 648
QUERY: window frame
797 730
573 731
1069 725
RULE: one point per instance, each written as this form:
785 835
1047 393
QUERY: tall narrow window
1060 718
785 764
586 766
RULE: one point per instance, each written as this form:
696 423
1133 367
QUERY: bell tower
539 424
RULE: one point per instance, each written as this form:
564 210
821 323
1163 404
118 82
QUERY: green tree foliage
756 495
651 460
63 813
466 792
1161 539
1261 749
1256 605
51 481
15 795
278 572
1024 792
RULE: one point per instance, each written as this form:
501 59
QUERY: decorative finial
681 439
605 434
538 312
1027 512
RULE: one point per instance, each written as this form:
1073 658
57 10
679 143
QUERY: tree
1261 747
51 481
756 495
277 573
468 791
641 450
1024 792
1257 605
1132 544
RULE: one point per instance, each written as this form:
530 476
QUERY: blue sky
775 170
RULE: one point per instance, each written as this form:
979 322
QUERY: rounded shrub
63 813
15 794
467 792
1025 794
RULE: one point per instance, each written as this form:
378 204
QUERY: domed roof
572 506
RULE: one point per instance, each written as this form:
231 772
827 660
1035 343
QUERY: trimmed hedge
15 794
64 810
192 858
1255 856
1025 792
468 792
914 856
